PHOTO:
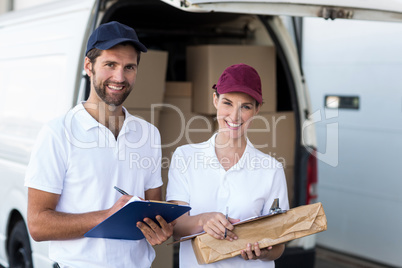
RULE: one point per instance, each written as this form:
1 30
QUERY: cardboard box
274 134
178 89
178 94
178 125
150 115
206 63
165 172
268 231
164 255
150 83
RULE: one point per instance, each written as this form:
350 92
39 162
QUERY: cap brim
111 43
241 89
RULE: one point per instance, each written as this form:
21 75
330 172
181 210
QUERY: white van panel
361 193
13 196
20 4
41 59
43 49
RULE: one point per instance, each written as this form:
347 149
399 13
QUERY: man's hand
119 204
153 233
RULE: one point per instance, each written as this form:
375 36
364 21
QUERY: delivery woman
226 175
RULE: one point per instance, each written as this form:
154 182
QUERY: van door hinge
335 13
306 114
184 3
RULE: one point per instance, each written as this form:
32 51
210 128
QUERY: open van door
389 10
41 59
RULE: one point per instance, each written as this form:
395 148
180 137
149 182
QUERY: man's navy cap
113 33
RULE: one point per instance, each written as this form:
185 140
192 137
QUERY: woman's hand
216 224
270 253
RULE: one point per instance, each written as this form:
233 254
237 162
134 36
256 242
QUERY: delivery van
190 43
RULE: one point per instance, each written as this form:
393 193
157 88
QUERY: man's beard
110 99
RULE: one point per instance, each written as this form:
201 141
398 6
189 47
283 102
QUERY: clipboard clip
275 209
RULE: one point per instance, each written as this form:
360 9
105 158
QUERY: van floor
326 258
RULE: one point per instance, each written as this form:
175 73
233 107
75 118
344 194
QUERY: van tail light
312 179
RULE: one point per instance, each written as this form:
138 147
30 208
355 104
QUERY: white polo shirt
81 160
248 189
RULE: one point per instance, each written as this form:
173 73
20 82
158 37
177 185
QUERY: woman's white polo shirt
248 189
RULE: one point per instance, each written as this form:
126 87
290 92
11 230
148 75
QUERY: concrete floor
329 259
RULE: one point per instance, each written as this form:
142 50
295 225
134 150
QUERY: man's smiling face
114 73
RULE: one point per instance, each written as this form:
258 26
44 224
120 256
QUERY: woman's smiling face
235 111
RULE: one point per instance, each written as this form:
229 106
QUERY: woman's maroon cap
240 78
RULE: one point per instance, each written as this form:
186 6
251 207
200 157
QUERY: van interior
179 35
183 51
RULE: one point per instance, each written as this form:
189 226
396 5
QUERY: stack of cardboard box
189 116
274 134
206 63
149 87
271 132
178 124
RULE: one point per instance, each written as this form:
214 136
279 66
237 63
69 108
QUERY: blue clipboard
123 223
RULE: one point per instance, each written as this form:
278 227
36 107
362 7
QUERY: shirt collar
88 122
128 121
248 154
83 117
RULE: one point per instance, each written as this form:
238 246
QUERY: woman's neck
229 150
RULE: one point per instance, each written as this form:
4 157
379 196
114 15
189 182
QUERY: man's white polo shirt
81 160
247 189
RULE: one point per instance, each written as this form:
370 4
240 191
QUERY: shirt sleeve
47 166
278 190
177 188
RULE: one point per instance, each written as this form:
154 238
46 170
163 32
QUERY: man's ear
88 66
215 100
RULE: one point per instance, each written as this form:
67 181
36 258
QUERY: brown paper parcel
295 223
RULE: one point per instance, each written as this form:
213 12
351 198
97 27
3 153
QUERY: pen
227 214
121 191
